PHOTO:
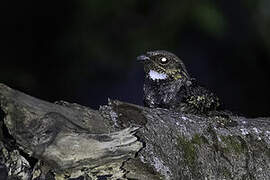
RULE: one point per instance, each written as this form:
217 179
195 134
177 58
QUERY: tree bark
43 140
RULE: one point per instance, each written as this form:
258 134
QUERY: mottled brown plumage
168 85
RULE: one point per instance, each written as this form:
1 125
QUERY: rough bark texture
42 140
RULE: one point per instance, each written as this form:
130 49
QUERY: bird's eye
163 60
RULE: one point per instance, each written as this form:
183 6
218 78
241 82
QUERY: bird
167 84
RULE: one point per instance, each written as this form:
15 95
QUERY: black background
84 51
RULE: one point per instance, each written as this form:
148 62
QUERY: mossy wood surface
43 140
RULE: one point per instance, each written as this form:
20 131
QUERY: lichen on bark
125 141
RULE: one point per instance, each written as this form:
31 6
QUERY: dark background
84 51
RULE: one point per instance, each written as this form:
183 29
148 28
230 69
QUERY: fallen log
43 140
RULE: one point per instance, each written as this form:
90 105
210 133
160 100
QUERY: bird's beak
142 58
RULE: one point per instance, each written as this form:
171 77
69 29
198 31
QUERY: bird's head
160 65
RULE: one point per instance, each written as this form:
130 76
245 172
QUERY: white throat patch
154 75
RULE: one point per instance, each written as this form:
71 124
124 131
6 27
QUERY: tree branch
126 141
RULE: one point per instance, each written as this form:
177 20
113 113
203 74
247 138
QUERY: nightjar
168 85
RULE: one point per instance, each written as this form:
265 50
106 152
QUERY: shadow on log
43 141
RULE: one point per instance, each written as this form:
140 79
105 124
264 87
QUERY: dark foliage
86 50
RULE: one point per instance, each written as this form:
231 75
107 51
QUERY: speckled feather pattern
181 93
